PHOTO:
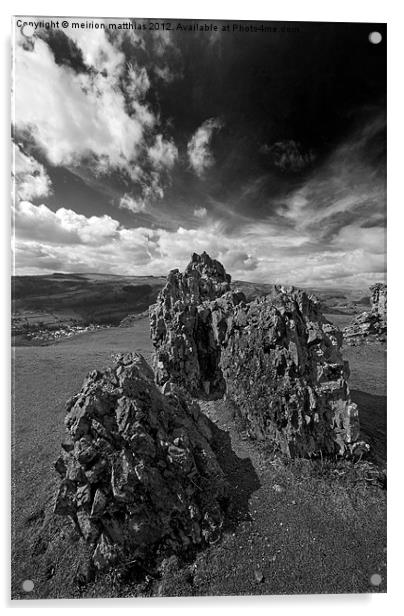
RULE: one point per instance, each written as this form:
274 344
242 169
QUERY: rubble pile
138 473
371 325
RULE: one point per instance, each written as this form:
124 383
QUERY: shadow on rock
373 422
240 474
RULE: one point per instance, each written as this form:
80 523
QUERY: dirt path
293 531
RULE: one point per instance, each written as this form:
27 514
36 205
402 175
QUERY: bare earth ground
296 527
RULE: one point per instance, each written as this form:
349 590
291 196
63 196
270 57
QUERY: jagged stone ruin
140 479
277 358
370 326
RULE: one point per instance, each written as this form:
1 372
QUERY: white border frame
293 10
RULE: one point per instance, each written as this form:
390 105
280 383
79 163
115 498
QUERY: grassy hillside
61 303
343 301
52 300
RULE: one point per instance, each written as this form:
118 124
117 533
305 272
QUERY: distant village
52 333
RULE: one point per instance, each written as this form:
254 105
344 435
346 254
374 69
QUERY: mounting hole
27 30
375 38
375 579
28 585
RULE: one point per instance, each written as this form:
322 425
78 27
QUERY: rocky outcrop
276 358
371 325
284 372
139 476
378 301
181 330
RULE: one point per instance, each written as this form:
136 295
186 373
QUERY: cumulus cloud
72 115
162 41
97 51
63 226
240 261
97 119
165 73
138 82
199 153
200 212
133 205
31 180
163 154
45 241
167 59
152 190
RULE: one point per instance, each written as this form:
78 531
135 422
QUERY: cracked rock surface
139 477
370 325
277 358
187 353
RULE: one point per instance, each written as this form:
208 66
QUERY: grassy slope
324 532
44 378
85 298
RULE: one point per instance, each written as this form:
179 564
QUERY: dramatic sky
132 150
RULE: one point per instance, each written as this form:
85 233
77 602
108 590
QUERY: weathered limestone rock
139 476
371 325
379 301
186 351
277 358
284 371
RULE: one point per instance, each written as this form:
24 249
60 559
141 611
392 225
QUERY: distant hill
341 300
49 301
252 289
333 300
80 298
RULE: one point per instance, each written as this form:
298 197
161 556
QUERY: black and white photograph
199 308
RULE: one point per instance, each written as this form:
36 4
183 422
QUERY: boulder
276 358
138 473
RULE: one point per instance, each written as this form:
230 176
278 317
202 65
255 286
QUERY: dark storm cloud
288 155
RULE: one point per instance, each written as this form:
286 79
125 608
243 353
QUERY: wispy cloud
347 189
199 152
